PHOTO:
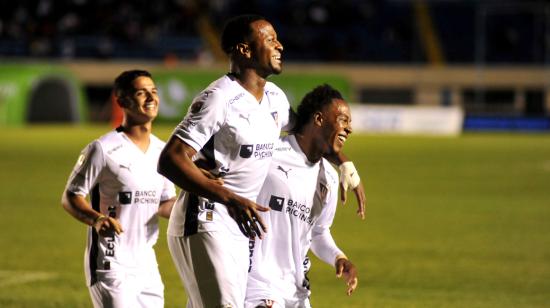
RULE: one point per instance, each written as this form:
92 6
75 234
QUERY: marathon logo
236 98
111 151
276 203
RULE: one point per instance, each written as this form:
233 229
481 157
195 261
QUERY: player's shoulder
273 90
283 144
157 142
220 91
109 142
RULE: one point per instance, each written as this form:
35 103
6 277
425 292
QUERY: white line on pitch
9 278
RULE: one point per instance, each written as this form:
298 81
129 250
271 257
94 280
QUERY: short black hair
237 30
314 101
123 83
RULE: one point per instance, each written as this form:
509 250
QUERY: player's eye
344 120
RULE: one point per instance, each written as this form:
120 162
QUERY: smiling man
302 190
127 193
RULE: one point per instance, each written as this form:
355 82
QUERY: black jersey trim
208 153
191 216
94 246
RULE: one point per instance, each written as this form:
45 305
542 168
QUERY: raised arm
176 164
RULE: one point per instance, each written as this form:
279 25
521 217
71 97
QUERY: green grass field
451 222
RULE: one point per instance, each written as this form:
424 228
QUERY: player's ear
318 118
243 49
122 101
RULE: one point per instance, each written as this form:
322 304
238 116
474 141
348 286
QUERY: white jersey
302 197
124 184
234 137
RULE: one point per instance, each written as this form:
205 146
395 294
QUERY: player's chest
250 130
132 169
253 117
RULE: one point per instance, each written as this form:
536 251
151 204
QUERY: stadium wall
483 93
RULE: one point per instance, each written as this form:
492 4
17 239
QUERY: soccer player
119 171
301 188
230 130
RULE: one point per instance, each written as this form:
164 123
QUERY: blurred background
485 60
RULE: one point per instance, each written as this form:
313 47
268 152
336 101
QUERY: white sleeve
87 169
168 191
322 243
288 117
204 118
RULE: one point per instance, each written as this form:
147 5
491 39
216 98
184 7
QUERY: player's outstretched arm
176 164
79 208
349 177
346 269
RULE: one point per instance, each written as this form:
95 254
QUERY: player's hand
349 177
345 268
245 213
107 226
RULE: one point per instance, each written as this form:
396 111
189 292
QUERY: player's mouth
150 106
342 138
277 58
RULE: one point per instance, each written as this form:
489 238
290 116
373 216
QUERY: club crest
275 116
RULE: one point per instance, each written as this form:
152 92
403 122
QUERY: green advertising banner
39 93
178 88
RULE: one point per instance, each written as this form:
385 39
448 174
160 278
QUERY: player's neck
251 81
308 145
140 134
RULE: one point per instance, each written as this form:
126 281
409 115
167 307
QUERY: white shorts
120 289
213 267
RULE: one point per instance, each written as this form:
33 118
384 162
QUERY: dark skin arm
176 164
